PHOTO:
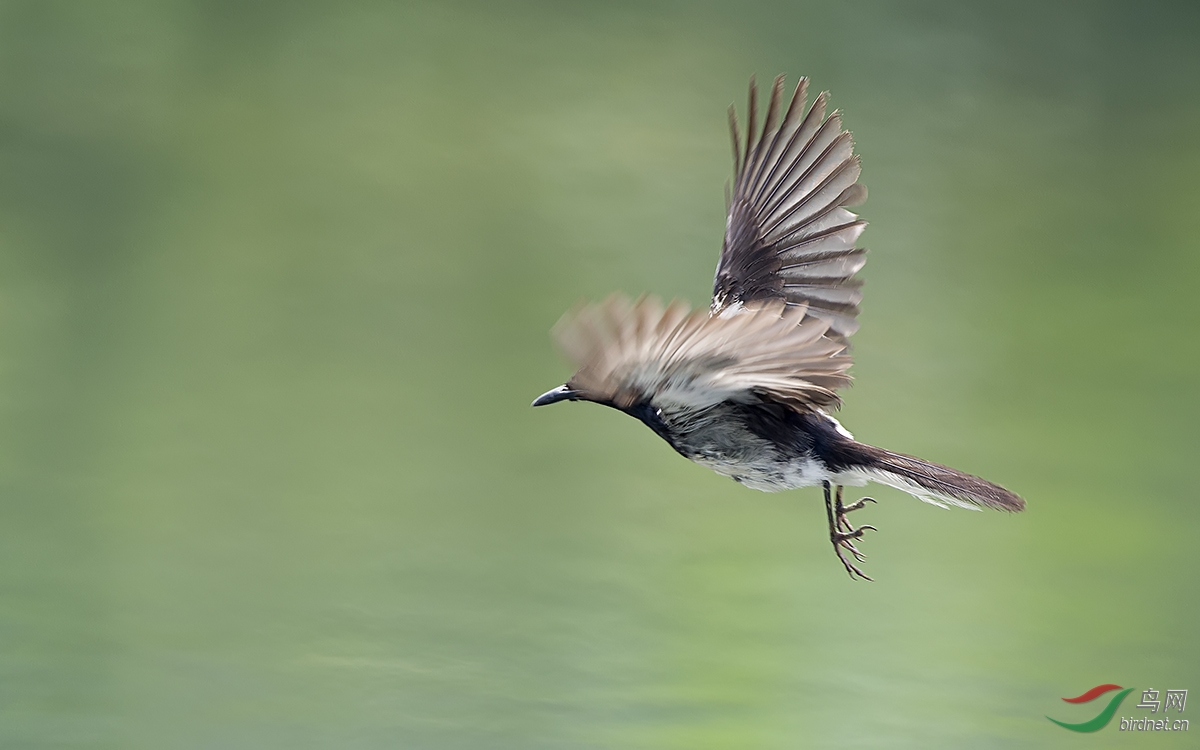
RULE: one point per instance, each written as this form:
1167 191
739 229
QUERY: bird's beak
561 393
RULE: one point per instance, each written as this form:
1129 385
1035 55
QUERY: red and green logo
1102 718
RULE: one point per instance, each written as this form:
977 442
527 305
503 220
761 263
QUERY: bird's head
641 409
624 400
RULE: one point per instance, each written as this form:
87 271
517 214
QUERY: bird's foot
840 511
844 509
842 534
844 542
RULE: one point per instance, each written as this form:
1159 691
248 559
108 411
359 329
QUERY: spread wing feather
628 352
789 235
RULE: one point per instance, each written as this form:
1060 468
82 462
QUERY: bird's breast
764 449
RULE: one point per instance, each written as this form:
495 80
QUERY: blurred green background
275 286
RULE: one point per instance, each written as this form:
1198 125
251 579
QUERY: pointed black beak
561 393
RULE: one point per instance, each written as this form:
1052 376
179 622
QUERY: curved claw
858 505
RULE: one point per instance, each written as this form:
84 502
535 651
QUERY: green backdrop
275 286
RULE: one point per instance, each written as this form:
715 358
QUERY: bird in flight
746 386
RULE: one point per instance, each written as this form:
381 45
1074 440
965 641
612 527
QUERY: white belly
771 476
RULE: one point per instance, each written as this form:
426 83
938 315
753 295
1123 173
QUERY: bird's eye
658 412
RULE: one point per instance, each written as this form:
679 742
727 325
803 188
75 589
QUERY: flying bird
746 387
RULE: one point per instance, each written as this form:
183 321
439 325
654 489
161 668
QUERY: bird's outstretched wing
788 235
633 351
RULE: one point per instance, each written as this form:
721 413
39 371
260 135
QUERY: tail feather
937 484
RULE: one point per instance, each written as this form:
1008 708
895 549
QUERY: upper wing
788 235
628 352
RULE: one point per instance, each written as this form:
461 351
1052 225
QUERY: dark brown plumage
789 235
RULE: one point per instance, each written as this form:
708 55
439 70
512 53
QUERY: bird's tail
934 483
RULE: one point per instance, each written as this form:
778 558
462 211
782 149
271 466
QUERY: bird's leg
843 523
836 514
846 532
